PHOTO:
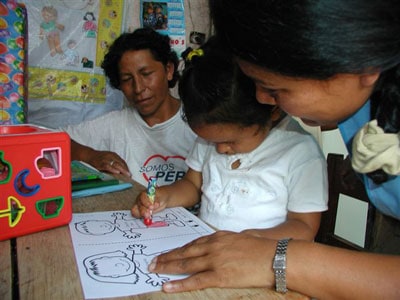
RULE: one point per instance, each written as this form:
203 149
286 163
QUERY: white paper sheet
113 249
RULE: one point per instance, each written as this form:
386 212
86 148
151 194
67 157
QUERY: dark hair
89 13
214 90
142 38
318 39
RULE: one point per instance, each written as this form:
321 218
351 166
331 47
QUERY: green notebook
93 183
86 177
87 181
81 171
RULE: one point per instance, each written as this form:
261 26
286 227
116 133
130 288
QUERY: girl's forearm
182 193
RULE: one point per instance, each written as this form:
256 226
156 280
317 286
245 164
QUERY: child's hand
143 208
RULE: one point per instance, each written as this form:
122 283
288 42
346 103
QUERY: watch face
279 262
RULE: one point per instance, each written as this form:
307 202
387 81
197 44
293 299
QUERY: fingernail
152 264
167 287
152 267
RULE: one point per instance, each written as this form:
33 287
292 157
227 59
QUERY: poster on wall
67 42
167 17
66 82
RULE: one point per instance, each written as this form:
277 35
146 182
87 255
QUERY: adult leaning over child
147 138
326 62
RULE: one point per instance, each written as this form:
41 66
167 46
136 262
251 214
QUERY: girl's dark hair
318 39
213 90
142 38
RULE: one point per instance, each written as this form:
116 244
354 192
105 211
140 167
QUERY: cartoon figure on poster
71 55
50 29
154 15
90 26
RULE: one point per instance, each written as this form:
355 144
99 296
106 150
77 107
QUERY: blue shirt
386 196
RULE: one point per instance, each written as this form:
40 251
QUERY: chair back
343 180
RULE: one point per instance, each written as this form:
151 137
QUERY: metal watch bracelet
279 265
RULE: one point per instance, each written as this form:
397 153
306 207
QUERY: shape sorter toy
35 180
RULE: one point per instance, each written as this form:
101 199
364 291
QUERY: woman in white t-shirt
147 138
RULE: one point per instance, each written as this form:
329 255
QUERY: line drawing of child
118 267
102 227
112 265
50 29
125 225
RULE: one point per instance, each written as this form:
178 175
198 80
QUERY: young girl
252 167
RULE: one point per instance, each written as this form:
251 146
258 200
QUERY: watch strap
279 265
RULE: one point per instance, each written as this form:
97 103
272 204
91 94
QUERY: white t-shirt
286 172
159 150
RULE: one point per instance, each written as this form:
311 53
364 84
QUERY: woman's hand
106 161
222 259
110 162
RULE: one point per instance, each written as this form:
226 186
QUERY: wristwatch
279 265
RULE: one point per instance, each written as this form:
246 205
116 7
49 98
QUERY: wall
52 111
196 17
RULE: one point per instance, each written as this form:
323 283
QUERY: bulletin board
67 41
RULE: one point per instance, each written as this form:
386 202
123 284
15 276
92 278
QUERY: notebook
88 181
81 171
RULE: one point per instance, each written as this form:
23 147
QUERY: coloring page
113 249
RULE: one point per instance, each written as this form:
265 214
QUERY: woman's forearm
80 152
326 272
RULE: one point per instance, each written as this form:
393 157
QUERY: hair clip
196 52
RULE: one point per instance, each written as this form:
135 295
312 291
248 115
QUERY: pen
151 193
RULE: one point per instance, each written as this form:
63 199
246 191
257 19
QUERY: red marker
151 193
147 221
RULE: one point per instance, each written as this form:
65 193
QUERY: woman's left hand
222 259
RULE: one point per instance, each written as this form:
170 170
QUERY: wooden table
42 265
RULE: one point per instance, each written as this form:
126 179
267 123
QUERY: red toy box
35 180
